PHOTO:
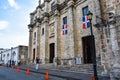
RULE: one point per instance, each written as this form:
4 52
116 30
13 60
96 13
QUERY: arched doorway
52 52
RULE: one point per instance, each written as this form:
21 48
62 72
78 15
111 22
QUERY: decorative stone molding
51 13
47 0
41 6
46 14
56 13
62 5
54 7
30 26
70 3
31 13
31 30
45 19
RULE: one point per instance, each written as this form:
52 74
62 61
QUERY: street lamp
93 45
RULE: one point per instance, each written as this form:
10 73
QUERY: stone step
84 68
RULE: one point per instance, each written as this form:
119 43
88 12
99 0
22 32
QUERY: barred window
85 10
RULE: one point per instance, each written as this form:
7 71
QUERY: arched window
14 53
8 55
42 31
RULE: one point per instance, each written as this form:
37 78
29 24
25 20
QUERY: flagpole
93 46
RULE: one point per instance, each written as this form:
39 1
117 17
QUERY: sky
14 20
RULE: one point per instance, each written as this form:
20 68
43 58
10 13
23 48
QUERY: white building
15 53
1 51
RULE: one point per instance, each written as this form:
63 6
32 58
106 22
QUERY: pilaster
46 52
38 39
30 45
57 38
71 44
115 71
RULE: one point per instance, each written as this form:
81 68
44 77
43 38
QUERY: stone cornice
40 19
51 13
45 14
45 19
41 6
31 13
70 3
55 7
30 26
62 5
47 0
34 12
78 2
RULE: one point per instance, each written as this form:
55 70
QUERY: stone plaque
78 60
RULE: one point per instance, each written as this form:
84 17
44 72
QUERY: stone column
38 40
57 38
45 36
115 71
45 51
30 45
71 44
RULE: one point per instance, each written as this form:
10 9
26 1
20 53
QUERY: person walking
37 63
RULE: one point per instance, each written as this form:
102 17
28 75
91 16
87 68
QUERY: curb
65 77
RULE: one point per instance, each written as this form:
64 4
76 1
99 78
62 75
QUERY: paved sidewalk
62 74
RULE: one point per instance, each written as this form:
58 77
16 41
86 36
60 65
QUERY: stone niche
51 30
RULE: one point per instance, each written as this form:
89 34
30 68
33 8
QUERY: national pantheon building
56 34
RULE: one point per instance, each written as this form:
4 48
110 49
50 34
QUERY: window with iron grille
85 10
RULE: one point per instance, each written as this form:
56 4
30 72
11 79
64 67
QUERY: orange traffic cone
93 78
47 75
12 66
18 69
28 71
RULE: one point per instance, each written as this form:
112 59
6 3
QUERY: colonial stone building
109 27
71 45
46 37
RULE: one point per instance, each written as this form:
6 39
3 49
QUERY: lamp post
93 46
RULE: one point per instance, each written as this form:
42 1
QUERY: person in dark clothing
10 63
37 63
13 62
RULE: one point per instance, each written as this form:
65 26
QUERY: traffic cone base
47 75
28 71
93 78
18 69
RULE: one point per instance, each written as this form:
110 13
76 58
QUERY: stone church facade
46 39
51 45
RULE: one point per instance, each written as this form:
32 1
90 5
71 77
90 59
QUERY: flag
64 29
86 22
